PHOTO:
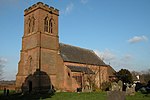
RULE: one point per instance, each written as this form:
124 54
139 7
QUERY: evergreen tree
124 75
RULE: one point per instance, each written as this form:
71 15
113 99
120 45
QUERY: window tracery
49 25
31 24
46 24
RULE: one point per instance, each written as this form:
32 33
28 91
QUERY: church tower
40 66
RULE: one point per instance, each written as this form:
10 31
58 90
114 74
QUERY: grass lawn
11 91
79 96
93 96
138 96
70 96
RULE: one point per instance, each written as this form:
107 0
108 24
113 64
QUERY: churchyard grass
93 96
72 96
1 91
79 96
11 91
138 96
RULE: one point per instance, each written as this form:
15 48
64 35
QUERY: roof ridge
78 54
77 47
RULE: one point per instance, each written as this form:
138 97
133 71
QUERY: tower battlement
43 6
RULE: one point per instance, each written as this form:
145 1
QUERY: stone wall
101 73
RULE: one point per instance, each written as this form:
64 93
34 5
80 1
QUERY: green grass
70 96
93 96
11 91
138 96
78 96
1 91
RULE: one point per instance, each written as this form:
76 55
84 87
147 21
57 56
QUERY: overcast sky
117 30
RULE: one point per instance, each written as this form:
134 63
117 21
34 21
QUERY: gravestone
116 92
114 86
120 85
115 95
130 90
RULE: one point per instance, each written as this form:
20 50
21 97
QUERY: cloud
137 39
2 65
84 1
3 61
106 55
116 61
68 9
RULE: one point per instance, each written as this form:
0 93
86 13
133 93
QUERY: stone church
46 64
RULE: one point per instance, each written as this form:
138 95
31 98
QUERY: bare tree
89 76
146 75
96 78
2 65
1 72
135 73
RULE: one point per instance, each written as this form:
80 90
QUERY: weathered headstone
115 95
133 88
116 92
130 90
114 86
120 85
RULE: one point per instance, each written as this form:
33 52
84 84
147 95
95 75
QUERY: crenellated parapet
43 6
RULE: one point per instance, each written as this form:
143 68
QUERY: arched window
32 24
46 24
29 25
30 64
51 25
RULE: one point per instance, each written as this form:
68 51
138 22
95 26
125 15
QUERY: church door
30 86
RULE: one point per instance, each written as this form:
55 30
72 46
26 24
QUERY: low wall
10 87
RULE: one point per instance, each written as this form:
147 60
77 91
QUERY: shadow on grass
19 96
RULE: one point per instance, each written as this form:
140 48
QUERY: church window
51 24
46 25
31 24
68 74
30 64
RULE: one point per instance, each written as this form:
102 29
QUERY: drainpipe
99 78
39 64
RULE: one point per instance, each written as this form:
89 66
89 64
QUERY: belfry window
46 24
51 26
31 24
